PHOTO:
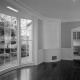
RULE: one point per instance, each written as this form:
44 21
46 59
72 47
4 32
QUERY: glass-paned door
26 40
8 39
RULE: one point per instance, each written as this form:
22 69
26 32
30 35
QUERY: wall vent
54 57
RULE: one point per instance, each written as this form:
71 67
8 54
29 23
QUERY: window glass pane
29 35
24 38
29 24
29 45
27 53
24 46
13 44
23 23
1 56
2 43
2 33
74 35
14 23
77 35
2 19
23 54
8 18
2 39
13 34
7 21
23 32
26 43
13 50
1 59
7 55
29 29
13 56
8 38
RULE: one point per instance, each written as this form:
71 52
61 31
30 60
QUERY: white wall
40 56
66 28
40 52
66 54
52 40
35 39
51 31
52 52
40 34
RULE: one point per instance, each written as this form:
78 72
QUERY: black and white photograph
39 39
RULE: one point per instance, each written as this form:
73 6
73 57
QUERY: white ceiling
67 10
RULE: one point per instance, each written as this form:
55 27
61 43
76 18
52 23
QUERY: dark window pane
1 31
74 35
23 54
1 50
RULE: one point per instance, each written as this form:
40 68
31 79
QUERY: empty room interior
39 39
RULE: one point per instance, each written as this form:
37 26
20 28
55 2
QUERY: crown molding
72 20
51 19
24 7
31 12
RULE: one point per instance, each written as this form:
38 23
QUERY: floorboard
62 70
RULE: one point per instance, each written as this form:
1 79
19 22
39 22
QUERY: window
26 37
74 35
8 38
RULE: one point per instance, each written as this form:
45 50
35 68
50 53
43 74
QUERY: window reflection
25 74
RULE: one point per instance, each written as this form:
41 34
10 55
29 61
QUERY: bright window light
29 21
12 9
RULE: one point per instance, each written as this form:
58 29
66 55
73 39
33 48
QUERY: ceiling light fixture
12 9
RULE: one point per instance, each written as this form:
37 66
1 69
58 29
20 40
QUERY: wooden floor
63 70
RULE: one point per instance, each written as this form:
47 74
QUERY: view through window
26 38
8 38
